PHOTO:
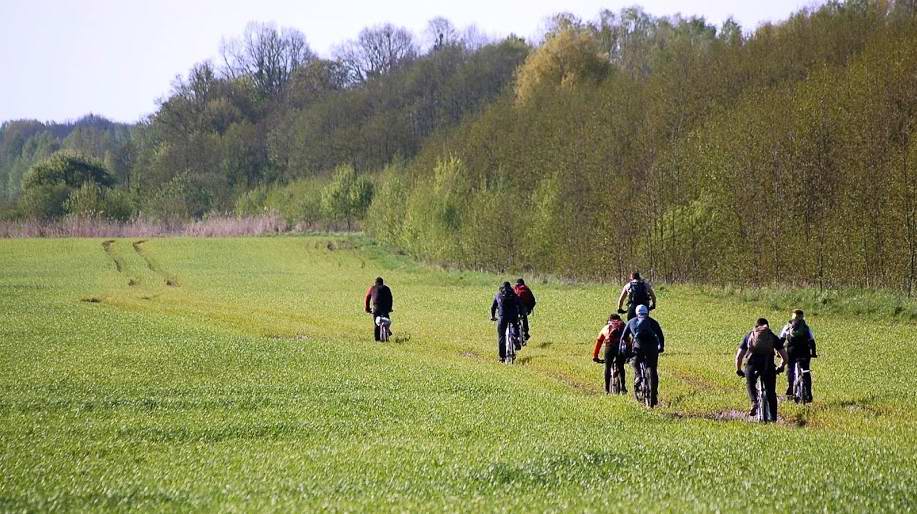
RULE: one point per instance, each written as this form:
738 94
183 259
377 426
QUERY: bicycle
802 391
762 406
384 323
642 387
512 342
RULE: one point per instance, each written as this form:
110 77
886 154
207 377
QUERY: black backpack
797 335
509 303
639 293
382 299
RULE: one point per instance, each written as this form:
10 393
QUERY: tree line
692 151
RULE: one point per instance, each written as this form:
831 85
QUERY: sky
61 59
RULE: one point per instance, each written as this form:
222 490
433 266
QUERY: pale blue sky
60 59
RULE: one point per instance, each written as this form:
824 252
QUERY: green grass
252 384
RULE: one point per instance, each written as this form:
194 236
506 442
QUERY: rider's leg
376 335
770 387
652 362
635 363
790 375
525 326
619 364
609 363
751 378
631 312
501 337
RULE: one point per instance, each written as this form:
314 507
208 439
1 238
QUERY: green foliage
44 202
67 168
347 196
693 157
177 200
92 201
253 385
299 202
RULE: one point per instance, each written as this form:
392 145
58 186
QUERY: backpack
644 335
525 296
797 334
639 293
382 299
508 303
615 330
762 342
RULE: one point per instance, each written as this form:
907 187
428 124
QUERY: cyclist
527 302
800 346
648 342
615 354
378 302
636 292
506 305
759 346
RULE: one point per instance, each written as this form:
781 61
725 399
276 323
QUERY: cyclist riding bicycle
648 342
636 292
505 311
759 346
378 302
615 355
527 302
800 346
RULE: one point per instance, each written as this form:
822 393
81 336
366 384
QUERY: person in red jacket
527 300
615 354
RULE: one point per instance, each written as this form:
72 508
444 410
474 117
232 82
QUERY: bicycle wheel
806 386
764 406
798 383
508 347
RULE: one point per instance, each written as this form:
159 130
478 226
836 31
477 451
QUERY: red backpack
525 295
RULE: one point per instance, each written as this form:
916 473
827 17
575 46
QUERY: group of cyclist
640 339
511 307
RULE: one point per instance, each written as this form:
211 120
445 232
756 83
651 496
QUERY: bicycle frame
764 406
799 384
383 323
509 342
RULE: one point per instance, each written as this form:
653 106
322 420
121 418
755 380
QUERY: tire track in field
119 262
170 279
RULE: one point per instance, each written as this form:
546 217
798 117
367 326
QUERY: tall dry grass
216 226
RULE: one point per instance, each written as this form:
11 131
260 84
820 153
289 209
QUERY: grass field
240 375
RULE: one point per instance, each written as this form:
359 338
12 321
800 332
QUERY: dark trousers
525 323
651 357
631 312
376 327
502 324
614 367
768 373
804 363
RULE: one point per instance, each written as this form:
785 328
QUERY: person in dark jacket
527 302
378 302
504 310
636 292
799 341
759 346
648 341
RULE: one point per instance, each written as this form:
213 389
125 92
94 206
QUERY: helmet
642 310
